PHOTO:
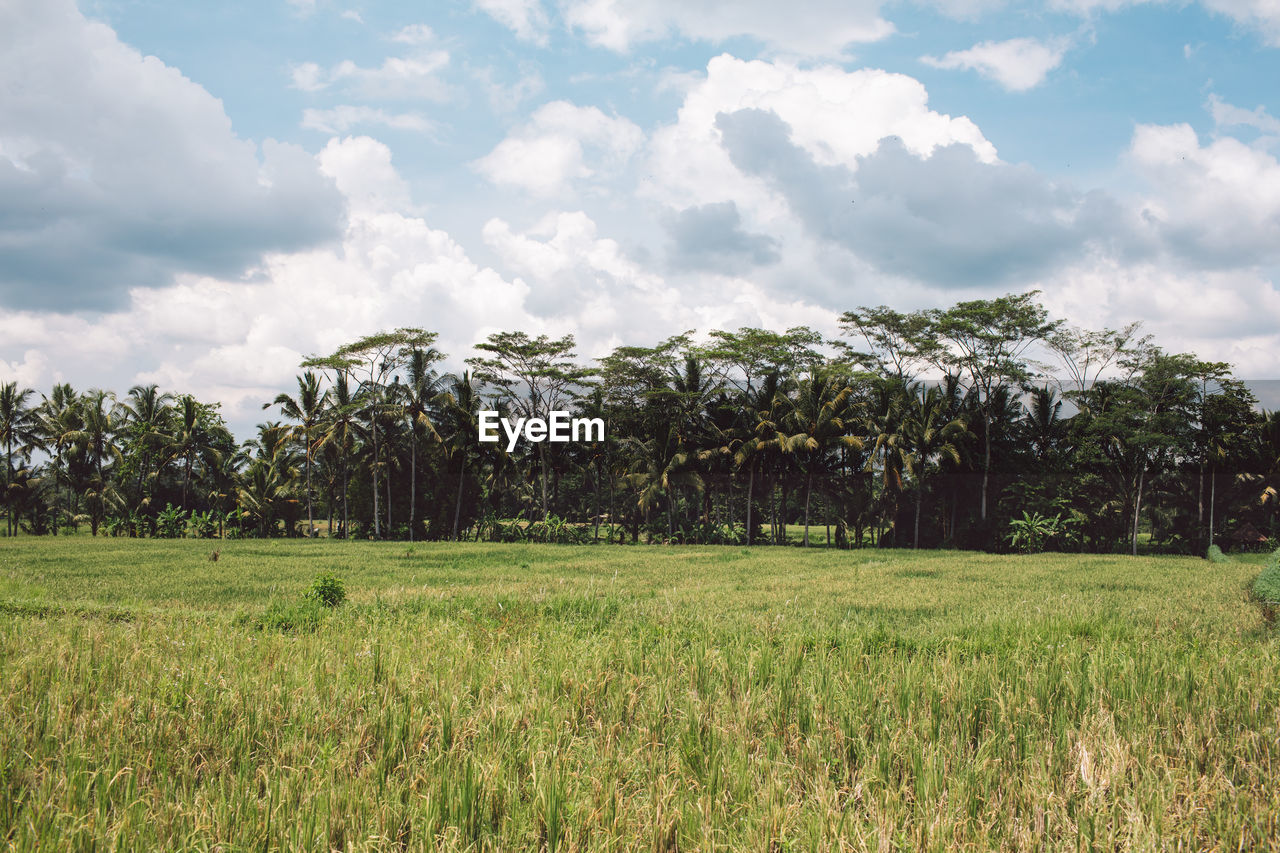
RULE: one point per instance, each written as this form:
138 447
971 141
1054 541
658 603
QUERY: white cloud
1216 205
834 115
116 170
526 18
813 28
560 144
344 117
1227 115
398 77
362 169
1017 64
414 34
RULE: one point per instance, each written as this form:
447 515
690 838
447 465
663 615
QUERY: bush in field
327 590
171 523
1266 589
1215 555
1031 533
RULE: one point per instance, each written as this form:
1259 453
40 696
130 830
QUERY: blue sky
200 195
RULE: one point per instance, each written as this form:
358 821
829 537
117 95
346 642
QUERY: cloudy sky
202 194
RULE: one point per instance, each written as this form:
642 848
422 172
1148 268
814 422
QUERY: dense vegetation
523 697
728 441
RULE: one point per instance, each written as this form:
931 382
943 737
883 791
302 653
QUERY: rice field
525 697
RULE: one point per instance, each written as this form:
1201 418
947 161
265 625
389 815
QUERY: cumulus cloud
815 28
711 236
948 219
1017 64
1215 205
560 144
240 343
116 171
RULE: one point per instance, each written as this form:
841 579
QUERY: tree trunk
595 538
386 480
986 462
457 505
373 472
413 482
1137 508
1213 483
919 503
311 522
808 493
542 463
751 482
346 492
8 464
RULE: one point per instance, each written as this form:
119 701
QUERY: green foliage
171 523
295 617
1266 588
1032 533
328 590
1215 555
204 525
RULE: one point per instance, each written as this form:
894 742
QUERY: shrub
1266 588
171 523
297 618
1215 555
327 590
1031 533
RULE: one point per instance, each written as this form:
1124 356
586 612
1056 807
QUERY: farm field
481 696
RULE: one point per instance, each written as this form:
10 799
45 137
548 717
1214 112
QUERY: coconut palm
417 396
819 421
196 438
146 415
927 433
459 413
340 434
59 417
307 409
18 425
96 442
656 468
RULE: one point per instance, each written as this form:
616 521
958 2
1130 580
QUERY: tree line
1027 434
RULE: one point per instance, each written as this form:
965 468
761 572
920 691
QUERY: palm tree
307 409
927 434
339 432
147 412
882 423
194 440
416 398
460 408
96 439
59 417
760 408
18 425
656 469
818 422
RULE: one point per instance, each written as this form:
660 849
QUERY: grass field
616 698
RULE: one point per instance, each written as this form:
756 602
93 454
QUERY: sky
202 195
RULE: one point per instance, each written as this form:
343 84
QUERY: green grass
615 698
